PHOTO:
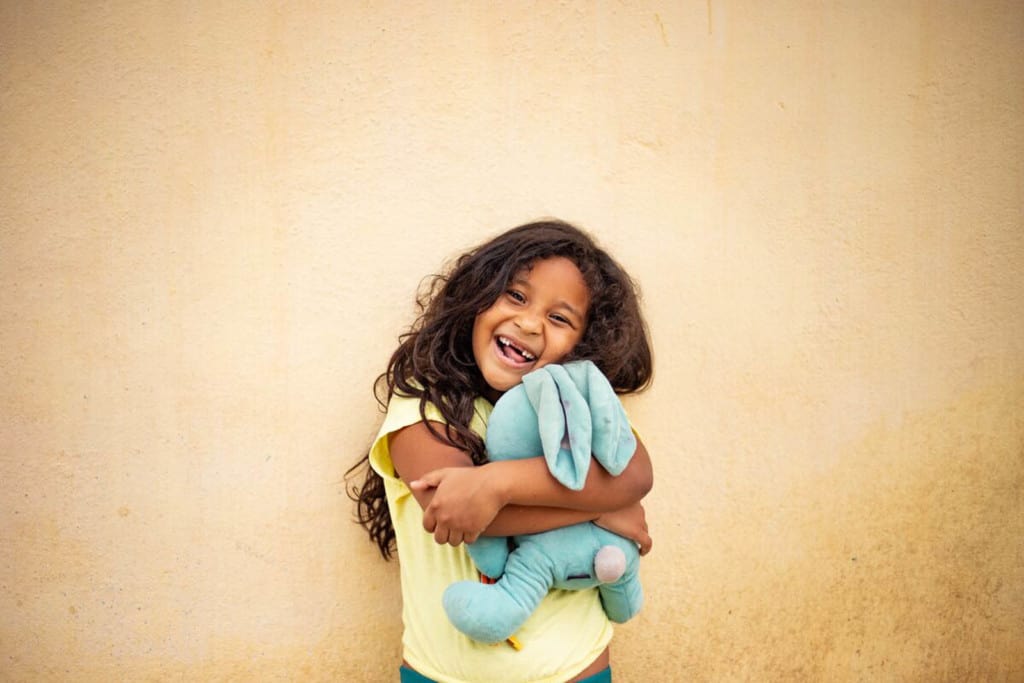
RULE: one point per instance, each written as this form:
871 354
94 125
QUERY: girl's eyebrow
569 307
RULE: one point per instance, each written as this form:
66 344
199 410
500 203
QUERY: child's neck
490 393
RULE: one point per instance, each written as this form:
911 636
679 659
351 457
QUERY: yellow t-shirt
564 635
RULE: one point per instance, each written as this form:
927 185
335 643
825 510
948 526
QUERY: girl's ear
564 422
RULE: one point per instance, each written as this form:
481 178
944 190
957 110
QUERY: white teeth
504 341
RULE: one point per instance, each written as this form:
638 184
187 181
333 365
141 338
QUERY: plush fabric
571 414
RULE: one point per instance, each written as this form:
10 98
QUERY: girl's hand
629 522
465 501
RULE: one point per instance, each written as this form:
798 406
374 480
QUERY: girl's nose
528 323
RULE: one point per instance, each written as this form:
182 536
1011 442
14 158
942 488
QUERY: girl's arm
629 522
461 502
529 482
416 452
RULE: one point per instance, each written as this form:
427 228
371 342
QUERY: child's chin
500 386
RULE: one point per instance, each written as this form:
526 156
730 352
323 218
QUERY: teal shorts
409 676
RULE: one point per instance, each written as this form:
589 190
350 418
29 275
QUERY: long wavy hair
434 360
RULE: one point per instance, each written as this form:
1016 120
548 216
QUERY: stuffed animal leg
623 597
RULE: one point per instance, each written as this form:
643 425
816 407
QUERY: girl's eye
561 319
516 296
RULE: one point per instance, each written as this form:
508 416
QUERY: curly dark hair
434 360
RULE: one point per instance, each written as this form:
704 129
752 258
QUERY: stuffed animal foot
485 613
623 598
609 564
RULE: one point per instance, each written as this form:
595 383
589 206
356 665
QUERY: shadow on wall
905 562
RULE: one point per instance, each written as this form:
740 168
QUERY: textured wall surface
213 219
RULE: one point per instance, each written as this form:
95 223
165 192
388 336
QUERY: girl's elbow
643 482
641 472
635 482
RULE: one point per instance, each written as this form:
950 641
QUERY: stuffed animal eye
579 576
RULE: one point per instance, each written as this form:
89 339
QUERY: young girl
538 294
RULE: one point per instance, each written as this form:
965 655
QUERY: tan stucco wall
213 219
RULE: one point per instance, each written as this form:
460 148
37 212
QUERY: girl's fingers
430 480
646 543
453 538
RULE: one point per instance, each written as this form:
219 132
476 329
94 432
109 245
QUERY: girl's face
537 321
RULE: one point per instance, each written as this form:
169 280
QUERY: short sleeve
404 411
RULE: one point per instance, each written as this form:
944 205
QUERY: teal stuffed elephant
570 413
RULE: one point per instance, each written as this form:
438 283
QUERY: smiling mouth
509 349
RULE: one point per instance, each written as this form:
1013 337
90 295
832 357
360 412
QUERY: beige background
213 219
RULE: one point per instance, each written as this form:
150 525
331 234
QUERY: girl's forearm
514 520
529 483
461 501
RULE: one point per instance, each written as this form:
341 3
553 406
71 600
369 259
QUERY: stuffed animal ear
612 439
564 422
